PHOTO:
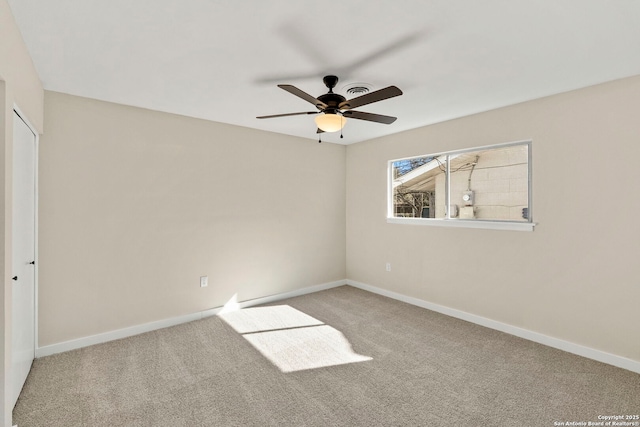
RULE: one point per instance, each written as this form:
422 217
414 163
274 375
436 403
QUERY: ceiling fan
335 108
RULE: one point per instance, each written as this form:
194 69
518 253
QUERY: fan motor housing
333 100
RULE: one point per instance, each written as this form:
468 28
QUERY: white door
23 251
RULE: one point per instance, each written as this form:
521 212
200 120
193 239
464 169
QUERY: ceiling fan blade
306 45
382 52
378 95
378 118
286 78
304 95
287 114
319 131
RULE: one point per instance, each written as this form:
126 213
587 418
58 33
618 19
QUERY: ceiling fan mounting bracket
330 81
331 100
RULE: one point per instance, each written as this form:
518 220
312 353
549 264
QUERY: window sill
461 223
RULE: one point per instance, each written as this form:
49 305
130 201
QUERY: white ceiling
220 60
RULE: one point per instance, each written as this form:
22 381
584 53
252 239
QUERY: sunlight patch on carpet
260 319
292 340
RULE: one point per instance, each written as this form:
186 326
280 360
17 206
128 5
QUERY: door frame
25 119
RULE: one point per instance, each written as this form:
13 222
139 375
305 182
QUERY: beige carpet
382 363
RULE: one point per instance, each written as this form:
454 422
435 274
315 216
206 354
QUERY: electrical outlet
204 281
388 266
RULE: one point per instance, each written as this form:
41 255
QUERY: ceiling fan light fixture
330 122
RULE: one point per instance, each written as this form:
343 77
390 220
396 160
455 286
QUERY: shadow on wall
291 339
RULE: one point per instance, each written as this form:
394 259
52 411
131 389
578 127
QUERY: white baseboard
588 352
148 327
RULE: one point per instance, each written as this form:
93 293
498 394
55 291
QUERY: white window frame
529 225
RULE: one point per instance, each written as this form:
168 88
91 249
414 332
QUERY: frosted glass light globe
330 122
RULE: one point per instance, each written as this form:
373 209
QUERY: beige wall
136 205
576 276
21 87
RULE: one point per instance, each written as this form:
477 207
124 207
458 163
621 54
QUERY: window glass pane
485 184
414 187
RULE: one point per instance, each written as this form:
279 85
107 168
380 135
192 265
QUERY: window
487 187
